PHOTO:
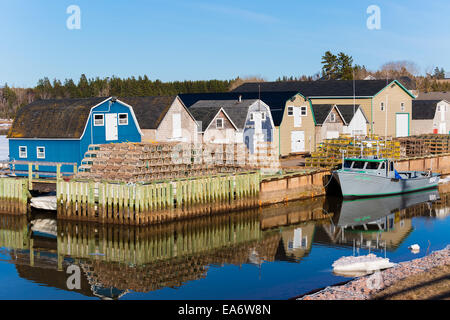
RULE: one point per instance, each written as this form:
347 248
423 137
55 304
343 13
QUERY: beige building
247 121
334 120
386 104
430 116
214 125
163 118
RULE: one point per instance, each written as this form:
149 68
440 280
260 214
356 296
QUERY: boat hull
357 185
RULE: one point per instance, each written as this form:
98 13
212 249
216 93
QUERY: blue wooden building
61 130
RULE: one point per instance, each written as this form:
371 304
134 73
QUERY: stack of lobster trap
141 162
330 152
426 144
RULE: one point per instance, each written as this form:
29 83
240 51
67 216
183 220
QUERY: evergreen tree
344 67
329 68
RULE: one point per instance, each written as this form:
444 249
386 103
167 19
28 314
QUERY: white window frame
38 154
217 124
382 107
291 108
103 120
21 154
303 109
118 119
402 106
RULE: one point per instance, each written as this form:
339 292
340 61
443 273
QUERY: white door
332 134
111 132
297 238
442 128
176 125
402 125
297 141
297 117
257 119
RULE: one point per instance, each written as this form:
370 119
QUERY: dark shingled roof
54 118
275 100
424 109
348 111
321 112
204 116
237 111
434 96
149 111
324 88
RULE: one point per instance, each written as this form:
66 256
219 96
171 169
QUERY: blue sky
200 39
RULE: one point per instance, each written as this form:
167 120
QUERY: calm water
275 253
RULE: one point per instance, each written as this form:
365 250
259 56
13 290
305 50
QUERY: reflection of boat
363 177
366 211
46 227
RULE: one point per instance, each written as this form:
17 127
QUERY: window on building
22 152
99 120
402 106
40 152
252 117
332 117
382 106
303 111
123 119
438 108
219 123
263 116
290 111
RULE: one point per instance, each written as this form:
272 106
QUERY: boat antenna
386 111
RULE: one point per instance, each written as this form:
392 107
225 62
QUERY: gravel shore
414 273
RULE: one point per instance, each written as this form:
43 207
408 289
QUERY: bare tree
240 81
400 68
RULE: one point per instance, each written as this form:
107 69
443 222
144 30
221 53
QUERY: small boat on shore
44 203
361 265
372 177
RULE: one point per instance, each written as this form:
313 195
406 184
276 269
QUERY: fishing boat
372 177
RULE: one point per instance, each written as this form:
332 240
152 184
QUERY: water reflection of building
116 259
296 242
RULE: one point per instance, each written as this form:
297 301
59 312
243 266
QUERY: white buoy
415 248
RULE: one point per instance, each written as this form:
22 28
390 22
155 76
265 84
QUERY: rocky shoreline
367 287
